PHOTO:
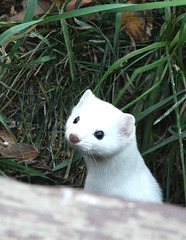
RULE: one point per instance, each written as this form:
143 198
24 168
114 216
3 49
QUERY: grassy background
47 63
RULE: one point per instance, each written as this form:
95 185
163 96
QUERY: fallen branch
37 212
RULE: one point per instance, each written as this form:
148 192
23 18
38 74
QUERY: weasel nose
73 138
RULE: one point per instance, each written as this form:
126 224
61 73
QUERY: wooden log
30 212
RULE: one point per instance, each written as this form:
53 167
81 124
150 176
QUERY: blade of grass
117 29
178 36
170 110
169 174
2 173
43 39
31 6
177 119
167 13
69 50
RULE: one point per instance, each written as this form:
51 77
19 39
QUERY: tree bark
30 212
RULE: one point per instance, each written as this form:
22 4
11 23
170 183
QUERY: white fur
115 166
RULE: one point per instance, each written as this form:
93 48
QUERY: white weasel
106 137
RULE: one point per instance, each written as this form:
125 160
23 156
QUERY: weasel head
97 128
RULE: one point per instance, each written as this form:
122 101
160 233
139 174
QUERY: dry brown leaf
6 137
137 25
71 4
57 2
9 148
20 150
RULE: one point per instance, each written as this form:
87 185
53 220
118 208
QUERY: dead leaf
71 4
9 147
57 2
20 150
138 25
6 137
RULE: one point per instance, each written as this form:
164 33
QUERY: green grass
47 67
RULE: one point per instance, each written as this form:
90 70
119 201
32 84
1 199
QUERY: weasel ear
129 125
87 95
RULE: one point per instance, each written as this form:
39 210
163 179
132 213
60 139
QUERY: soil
10 7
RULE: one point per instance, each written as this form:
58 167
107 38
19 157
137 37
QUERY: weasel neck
121 163
124 174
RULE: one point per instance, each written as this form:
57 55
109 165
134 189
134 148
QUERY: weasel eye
99 135
76 120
